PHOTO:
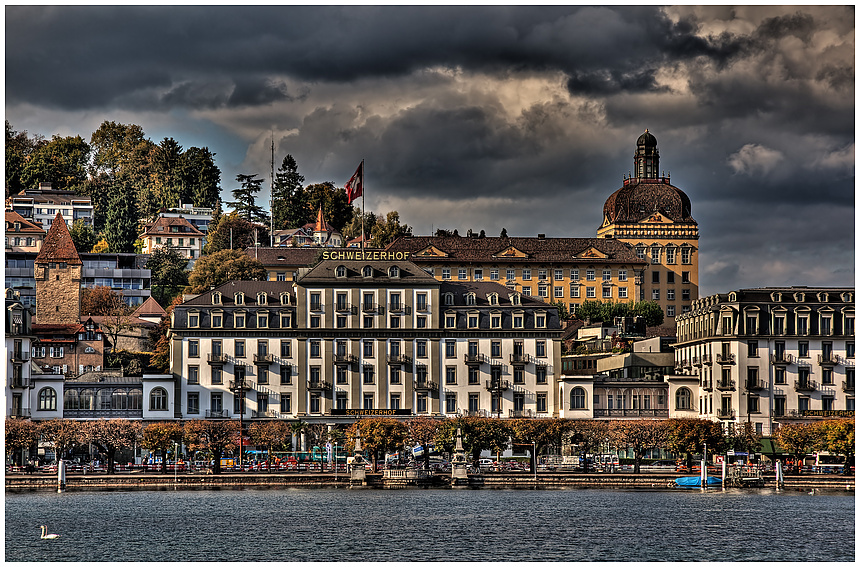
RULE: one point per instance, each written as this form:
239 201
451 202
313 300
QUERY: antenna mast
272 196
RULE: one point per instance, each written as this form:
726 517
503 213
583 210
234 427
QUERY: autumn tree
63 434
387 231
83 236
161 436
104 302
273 435
422 431
333 201
354 226
21 434
589 436
110 436
233 232
484 433
169 276
289 199
797 439
61 161
743 437
639 436
378 435
212 437
160 360
539 433
689 436
837 436
222 267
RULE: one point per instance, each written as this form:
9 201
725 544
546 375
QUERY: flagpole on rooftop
362 208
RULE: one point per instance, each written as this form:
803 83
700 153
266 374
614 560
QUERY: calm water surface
431 525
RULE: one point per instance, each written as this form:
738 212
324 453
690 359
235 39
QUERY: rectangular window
779 375
216 402
394 322
193 320
316 302
590 275
394 402
527 274
394 374
422 403
655 255
753 404
607 275
421 349
670 294
803 349
541 274
340 400
607 292
450 321
574 290
286 349
239 348
685 295
479 274
494 274
685 277
450 375
450 349
670 255
450 403
558 292
367 349
622 275
574 275
670 311
341 322
217 376
540 374
315 349
341 376
193 348
367 374
286 375
239 321
519 375
367 401
474 375
542 291
446 273
655 294
315 403
527 290
216 321
462 274
368 321
622 293
262 320
589 292
752 348
510 274
685 255
540 348
193 374
474 403
496 349
541 402
194 402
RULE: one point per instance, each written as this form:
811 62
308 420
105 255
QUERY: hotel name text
362 255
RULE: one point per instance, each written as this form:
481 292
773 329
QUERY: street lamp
534 456
175 463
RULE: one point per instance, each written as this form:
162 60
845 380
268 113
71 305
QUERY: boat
696 481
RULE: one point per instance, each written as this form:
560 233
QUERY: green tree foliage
637 435
121 224
332 200
650 311
743 437
19 147
290 200
422 431
83 236
62 162
539 432
688 436
246 195
224 266
234 233
169 277
160 360
378 435
161 436
607 311
386 232
202 178
353 227
166 176
563 314
21 434
113 147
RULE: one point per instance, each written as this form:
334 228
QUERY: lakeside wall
544 480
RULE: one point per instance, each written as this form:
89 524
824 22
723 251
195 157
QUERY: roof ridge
58 245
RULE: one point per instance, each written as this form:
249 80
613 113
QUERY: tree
245 196
384 233
484 433
101 246
64 434
224 266
169 277
422 431
590 436
213 437
837 436
161 436
797 439
289 197
650 311
273 435
504 233
333 202
743 437
166 175
202 178
121 223
62 161
563 314
83 236
110 436
19 147
233 232
688 436
102 301
160 360
21 434
539 432
353 227
637 435
113 148
378 434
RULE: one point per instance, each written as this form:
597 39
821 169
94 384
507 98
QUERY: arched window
340 272
135 399
367 272
577 398
261 298
449 299
239 298
683 398
47 399
158 399
71 400
119 399
470 299
216 298
393 272
86 400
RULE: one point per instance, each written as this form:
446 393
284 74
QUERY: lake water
431 525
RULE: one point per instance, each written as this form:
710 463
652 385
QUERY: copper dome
639 198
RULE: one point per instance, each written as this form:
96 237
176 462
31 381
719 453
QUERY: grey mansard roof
272 289
326 272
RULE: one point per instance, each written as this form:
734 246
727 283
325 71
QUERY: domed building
655 217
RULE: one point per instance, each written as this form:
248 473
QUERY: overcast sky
488 117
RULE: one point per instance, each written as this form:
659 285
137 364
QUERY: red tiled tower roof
150 308
58 245
321 225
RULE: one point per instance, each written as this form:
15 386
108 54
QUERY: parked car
659 466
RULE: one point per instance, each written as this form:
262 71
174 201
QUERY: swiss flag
355 186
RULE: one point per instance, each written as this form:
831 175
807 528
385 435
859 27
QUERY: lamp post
175 463
534 456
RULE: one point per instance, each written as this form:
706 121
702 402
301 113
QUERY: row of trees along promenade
379 435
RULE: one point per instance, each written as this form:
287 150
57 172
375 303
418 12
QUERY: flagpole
362 208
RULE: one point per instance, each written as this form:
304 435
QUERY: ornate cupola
646 160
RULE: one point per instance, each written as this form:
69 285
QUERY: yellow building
654 217
565 270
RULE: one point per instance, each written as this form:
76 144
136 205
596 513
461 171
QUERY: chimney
541 236
44 186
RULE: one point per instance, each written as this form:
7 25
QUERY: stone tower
58 277
655 217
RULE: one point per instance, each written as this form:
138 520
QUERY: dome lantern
646 160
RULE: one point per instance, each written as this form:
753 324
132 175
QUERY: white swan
46 535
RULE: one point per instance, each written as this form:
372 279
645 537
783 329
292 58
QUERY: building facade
43 204
19 336
655 218
177 233
566 270
766 356
23 235
353 337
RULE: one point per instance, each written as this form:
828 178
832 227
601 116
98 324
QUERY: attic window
393 272
340 272
261 298
470 298
285 299
216 298
367 271
493 298
449 299
515 299
239 298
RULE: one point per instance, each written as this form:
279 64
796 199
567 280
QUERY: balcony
706 360
20 382
369 307
725 413
725 385
658 413
319 385
805 385
828 359
780 359
475 413
263 359
520 413
216 358
474 358
848 386
754 385
19 412
423 308
220 414
345 359
398 308
426 385
497 385
346 308
708 386
400 359
239 385
697 362
725 358
104 413
316 306
20 356
519 359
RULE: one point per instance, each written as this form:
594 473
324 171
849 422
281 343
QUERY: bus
828 463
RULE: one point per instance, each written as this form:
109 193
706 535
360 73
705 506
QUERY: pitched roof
149 308
272 289
161 227
320 225
483 289
58 245
26 226
505 250
408 272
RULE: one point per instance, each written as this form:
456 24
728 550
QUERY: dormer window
261 298
340 272
540 320
823 297
367 272
285 299
776 297
216 298
515 299
470 298
449 299
493 298
799 297
239 298
733 297
393 272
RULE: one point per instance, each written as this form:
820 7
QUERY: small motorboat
696 481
